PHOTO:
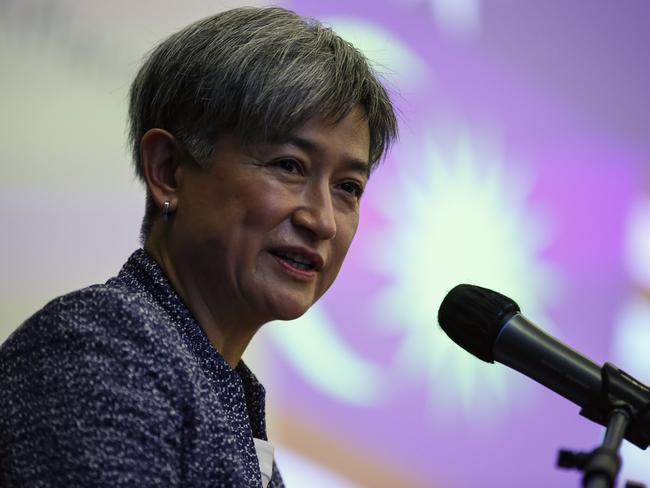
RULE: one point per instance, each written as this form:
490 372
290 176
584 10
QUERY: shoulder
94 369
92 338
93 315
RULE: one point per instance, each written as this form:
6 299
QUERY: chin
289 311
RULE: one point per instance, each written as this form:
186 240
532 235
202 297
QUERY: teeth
297 260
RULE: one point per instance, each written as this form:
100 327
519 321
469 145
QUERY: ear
161 158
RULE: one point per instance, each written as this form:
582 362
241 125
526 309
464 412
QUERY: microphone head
473 317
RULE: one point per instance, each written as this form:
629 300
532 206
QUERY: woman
255 132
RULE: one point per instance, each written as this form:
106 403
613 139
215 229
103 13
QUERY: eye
288 165
352 187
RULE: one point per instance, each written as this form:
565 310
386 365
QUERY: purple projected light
503 430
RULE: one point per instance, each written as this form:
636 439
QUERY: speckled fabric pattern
117 385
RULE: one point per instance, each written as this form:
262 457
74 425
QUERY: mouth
299 259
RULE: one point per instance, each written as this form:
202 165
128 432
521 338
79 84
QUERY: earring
166 211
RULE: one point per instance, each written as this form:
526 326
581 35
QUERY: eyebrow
353 164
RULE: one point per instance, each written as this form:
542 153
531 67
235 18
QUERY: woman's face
263 231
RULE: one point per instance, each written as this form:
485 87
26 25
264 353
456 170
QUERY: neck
228 334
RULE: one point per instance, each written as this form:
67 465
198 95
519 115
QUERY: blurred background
523 166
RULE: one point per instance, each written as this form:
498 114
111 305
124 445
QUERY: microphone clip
622 392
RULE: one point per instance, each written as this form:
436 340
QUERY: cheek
346 230
340 245
266 206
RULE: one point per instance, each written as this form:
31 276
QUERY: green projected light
388 54
326 361
464 221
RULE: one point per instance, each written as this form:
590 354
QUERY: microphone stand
601 466
623 408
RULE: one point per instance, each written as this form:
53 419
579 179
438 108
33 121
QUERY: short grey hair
259 73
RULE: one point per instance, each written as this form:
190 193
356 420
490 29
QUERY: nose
315 212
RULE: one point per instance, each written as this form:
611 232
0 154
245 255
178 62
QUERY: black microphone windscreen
473 316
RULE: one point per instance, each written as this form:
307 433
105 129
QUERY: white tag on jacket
264 452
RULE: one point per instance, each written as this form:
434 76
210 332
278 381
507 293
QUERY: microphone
490 326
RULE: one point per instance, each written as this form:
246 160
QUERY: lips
299 258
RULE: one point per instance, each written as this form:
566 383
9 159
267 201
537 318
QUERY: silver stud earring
166 211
